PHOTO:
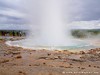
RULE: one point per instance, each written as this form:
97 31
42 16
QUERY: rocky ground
19 61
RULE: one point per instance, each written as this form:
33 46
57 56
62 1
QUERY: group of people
12 33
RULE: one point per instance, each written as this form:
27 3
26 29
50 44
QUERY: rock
19 56
59 57
94 66
69 67
44 63
56 57
82 52
79 67
98 67
65 50
36 64
42 57
89 65
71 64
82 68
49 54
22 73
4 60
94 51
15 52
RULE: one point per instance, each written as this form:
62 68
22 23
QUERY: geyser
52 27
48 16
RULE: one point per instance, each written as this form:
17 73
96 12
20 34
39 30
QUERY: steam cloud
51 17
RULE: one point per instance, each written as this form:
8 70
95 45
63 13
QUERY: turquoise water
78 45
82 47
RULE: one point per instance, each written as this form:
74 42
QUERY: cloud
10 12
6 19
91 10
11 17
13 27
11 2
82 13
94 24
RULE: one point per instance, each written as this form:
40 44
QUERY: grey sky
11 12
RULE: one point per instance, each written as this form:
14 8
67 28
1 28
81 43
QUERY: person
17 33
20 33
2 33
7 33
13 33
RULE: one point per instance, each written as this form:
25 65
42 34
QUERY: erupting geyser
52 28
47 15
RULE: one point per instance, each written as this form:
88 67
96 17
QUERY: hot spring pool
78 46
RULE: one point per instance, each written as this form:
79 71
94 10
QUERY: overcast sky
84 13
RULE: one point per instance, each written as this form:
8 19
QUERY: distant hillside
84 33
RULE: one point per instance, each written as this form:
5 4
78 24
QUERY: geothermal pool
80 45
